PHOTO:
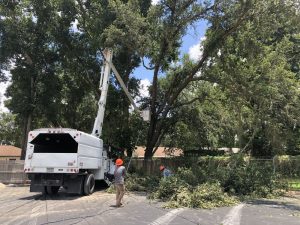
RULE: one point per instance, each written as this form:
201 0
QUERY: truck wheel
89 184
52 190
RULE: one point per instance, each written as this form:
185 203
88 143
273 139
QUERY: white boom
124 87
104 83
103 86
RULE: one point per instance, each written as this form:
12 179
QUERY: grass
294 184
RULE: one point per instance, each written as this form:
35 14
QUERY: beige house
161 152
9 152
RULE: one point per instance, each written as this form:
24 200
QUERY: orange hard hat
119 162
161 168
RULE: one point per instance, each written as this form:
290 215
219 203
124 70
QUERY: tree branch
189 102
205 55
250 140
148 68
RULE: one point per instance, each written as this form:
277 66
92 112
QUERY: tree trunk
27 128
28 120
148 152
153 114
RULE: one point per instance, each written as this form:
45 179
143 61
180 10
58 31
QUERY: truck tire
89 184
52 190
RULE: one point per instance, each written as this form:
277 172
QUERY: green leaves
9 129
55 49
128 29
257 78
243 91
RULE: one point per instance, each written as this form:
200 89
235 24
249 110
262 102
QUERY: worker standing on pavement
119 173
165 172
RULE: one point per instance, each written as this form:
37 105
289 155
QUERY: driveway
18 206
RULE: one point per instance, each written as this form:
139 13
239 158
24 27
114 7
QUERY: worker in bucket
119 174
165 172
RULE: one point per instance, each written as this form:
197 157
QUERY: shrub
134 182
207 195
168 187
210 195
211 182
189 175
111 189
288 166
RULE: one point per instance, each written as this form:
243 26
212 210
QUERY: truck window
54 143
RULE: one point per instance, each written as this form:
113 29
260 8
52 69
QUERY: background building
10 153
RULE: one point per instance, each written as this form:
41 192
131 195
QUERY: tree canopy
243 91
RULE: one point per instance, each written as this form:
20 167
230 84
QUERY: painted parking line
35 213
167 218
234 216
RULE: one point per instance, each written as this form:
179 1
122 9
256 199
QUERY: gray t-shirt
119 174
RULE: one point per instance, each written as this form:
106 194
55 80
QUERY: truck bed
64 150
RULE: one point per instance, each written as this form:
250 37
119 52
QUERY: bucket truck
69 158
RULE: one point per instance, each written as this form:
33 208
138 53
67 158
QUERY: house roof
161 152
9 150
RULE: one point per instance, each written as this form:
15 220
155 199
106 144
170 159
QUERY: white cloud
175 64
3 87
74 27
196 51
198 74
145 83
155 2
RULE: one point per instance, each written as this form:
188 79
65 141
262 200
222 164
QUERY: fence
287 166
152 166
12 172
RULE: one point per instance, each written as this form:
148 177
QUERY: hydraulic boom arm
104 82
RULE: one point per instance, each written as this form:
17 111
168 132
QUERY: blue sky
190 44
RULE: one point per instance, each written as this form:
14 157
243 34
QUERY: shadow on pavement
62 195
275 204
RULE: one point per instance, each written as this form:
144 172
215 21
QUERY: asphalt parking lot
18 206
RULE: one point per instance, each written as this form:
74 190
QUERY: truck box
64 157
